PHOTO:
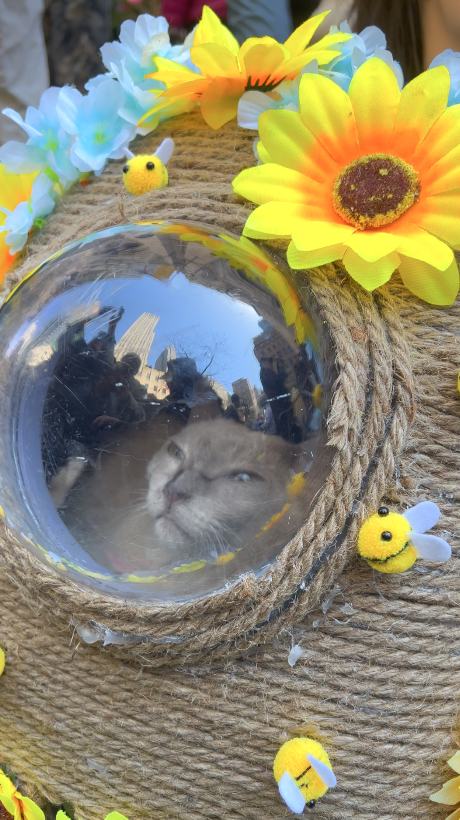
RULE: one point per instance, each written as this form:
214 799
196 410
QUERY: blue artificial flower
19 222
139 42
138 102
451 59
48 144
95 122
371 42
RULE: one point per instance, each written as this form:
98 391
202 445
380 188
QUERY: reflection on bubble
165 411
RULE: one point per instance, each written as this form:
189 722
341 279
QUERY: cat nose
173 494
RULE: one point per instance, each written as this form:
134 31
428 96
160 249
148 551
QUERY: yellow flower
14 188
2 661
450 792
227 70
22 808
371 178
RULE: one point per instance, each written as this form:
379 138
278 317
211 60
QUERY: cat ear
291 793
430 547
324 772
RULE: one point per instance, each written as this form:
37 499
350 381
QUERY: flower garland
353 166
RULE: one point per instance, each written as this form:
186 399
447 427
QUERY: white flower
19 222
94 120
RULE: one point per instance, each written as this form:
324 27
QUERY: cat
211 489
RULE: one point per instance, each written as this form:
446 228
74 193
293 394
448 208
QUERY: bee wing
430 547
165 150
423 516
324 772
291 793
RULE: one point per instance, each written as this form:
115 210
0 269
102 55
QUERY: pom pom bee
145 172
390 542
303 773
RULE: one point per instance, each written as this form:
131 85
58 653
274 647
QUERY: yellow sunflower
227 70
371 178
14 188
22 808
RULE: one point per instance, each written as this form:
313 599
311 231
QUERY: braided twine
193 739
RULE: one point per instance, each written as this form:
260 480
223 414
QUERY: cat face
213 486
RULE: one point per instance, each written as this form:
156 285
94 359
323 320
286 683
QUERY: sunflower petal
270 182
419 244
8 804
275 218
326 111
422 102
219 103
375 96
30 810
455 815
430 285
441 139
163 64
454 762
449 794
312 235
373 245
291 144
215 61
262 153
211 30
370 275
300 38
444 175
260 62
304 260
438 214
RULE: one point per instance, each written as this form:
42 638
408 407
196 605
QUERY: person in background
259 18
416 30
23 62
232 410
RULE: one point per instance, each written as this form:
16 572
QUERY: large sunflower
227 70
371 178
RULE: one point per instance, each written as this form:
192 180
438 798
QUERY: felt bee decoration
303 773
148 172
391 542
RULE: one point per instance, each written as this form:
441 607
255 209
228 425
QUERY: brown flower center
375 190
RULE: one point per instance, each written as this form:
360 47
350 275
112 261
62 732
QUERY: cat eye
245 477
175 452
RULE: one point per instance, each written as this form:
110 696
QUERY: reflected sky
201 323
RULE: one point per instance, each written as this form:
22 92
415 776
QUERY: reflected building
153 380
245 390
138 338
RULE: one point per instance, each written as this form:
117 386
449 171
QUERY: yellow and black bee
303 772
391 542
148 172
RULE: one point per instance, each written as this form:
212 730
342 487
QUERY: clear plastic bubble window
163 404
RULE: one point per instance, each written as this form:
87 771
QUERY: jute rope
368 416
379 675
